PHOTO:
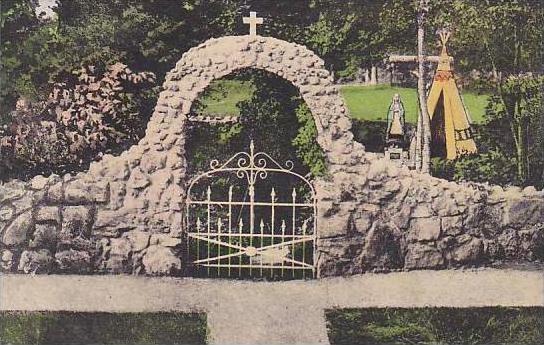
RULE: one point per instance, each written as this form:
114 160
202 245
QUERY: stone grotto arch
124 215
162 148
295 63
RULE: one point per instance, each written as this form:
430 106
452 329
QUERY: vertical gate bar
251 222
262 237
293 230
282 240
252 179
272 223
240 261
209 199
230 226
219 226
304 225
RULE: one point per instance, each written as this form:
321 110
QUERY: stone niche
125 214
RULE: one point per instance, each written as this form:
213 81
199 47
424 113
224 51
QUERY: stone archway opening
253 105
273 121
217 58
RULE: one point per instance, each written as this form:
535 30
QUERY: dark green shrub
447 326
492 167
66 328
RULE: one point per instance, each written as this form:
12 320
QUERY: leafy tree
150 35
397 26
17 21
31 144
520 107
351 43
100 110
502 36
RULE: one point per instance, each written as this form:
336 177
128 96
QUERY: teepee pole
419 143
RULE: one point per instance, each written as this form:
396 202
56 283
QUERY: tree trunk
373 75
425 120
521 154
391 74
522 145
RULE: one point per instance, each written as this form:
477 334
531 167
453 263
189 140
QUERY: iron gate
243 223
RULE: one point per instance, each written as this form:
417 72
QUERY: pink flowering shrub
83 117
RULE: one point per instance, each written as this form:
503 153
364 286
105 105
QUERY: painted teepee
451 131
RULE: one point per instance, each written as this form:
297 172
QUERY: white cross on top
252 20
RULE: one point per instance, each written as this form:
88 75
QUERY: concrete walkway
244 312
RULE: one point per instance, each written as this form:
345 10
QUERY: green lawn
222 95
372 102
364 102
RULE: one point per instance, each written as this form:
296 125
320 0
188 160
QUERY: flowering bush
99 110
84 116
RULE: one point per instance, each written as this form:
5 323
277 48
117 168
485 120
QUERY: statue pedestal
397 154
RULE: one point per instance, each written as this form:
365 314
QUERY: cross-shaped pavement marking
292 312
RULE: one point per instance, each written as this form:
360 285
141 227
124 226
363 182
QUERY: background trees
494 42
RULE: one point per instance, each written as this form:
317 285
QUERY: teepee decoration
451 131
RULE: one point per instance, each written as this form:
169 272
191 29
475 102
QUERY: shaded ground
69 328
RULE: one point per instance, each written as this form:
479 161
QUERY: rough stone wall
90 223
125 214
386 218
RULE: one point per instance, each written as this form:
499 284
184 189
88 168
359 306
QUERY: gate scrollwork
248 226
